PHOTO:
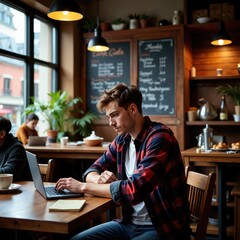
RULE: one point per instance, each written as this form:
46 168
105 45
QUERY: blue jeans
118 231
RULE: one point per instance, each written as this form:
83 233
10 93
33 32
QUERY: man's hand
106 177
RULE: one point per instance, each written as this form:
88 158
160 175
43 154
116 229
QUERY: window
28 58
6 86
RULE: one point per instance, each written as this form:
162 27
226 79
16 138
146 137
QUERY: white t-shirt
140 215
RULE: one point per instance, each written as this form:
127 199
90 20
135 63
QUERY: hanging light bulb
65 10
97 43
221 38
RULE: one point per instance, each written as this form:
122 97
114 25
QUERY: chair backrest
200 192
47 170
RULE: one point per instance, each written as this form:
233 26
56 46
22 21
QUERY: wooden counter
55 150
220 161
71 161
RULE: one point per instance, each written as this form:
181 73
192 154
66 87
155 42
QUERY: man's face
119 118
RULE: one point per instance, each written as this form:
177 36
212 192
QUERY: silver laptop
47 192
37 141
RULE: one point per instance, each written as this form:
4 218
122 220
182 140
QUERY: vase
176 17
133 24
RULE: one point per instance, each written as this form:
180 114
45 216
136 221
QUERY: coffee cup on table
64 141
5 180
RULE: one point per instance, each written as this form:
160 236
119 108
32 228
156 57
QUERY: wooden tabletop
55 150
212 156
26 209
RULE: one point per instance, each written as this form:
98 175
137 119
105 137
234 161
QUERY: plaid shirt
159 180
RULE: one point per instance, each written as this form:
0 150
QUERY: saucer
13 187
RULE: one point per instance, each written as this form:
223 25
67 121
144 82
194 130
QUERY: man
150 183
12 153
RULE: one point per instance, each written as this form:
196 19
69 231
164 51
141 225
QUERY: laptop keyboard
50 190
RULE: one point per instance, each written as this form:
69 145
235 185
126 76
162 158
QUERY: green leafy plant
144 16
118 21
233 91
60 112
133 16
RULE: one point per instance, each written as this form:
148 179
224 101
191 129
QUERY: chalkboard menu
156 76
106 69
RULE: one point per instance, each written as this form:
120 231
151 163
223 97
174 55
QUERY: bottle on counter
223 114
207 138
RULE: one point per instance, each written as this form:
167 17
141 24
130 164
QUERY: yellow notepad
67 205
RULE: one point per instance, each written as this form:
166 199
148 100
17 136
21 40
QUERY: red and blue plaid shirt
159 179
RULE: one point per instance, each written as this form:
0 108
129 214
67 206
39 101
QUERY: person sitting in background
13 157
142 171
28 129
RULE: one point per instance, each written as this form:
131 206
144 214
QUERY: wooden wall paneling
176 122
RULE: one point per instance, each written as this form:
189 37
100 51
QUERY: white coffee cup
64 141
5 180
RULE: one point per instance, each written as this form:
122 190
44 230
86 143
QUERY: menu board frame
106 69
156 71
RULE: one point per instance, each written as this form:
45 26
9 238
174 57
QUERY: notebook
37 141
64 205
49 191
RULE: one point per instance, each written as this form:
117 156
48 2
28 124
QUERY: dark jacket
13 158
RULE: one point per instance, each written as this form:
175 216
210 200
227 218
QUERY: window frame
28 57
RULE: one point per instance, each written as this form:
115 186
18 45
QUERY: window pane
42 41
42 86
12 35
11 90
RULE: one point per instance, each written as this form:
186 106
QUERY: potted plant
143 20
233 91
118 24
59 113
133 21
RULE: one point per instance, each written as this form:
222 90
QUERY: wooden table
55 150
28 210
72 161
220 159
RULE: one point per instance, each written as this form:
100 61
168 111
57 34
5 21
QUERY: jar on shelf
176 17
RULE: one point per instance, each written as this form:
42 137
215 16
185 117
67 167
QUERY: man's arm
104 177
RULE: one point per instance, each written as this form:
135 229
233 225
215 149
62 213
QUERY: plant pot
117 27
133 23
143 23
104 26
52 136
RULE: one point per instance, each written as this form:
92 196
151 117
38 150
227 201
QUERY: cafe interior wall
70 34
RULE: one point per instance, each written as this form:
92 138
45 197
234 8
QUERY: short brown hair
123 94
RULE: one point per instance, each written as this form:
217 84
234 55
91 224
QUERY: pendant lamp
221 38
65 10
97 43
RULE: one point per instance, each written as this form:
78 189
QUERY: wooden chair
47 170
200 191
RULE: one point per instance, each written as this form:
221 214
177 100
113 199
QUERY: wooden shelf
207 78
213 123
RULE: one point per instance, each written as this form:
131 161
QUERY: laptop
37 141
49 191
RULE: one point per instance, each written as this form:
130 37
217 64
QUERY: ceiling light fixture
97 43
221 38
65 10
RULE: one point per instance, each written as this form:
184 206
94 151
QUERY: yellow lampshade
65 10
